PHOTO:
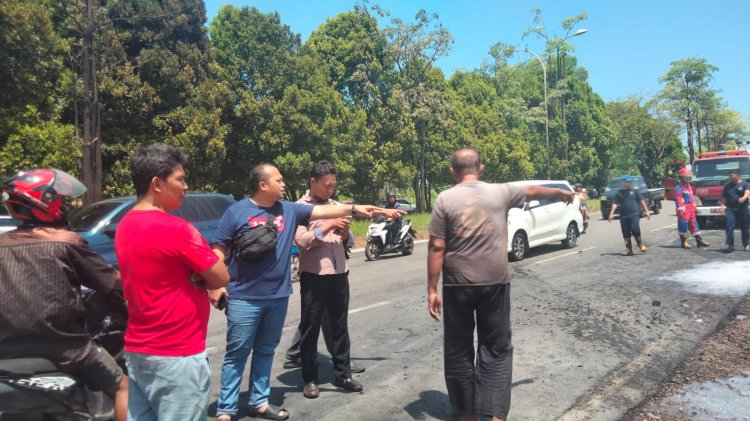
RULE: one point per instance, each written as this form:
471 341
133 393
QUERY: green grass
594 205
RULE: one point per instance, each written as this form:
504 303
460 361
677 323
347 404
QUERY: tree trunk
689 123
421 195
698 130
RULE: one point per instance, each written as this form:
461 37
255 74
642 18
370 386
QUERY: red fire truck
710 172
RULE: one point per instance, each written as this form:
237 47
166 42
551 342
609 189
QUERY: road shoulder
721 362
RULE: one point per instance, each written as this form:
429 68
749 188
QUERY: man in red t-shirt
166 268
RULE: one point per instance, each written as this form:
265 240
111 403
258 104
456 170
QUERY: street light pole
546 104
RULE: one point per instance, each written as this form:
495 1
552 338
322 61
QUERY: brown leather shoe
349 384
311 390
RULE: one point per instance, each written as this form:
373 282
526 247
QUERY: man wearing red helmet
686 221
44 266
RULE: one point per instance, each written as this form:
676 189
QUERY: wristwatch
353 205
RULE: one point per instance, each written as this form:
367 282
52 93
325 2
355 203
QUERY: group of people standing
171 276
733 205
256 291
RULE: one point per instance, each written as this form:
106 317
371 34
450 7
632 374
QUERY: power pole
92 150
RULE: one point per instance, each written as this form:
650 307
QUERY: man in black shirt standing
630 201
734 204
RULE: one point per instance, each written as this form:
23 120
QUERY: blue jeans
252 325
737 218
167 388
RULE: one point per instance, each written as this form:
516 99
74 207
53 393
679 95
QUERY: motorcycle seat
26 367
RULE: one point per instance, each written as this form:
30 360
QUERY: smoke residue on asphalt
717 278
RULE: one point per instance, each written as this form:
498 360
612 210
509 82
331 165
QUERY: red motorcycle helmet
41 195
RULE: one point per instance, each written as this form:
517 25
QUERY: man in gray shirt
469 245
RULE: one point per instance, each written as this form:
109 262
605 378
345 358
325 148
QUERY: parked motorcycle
34 389
377 235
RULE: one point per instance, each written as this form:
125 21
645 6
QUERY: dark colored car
653 197
97 223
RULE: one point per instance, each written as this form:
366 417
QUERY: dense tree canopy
362 90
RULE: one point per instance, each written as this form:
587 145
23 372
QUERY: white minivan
543 221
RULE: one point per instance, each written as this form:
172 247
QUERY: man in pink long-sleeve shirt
324 284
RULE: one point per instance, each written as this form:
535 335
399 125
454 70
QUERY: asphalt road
594 332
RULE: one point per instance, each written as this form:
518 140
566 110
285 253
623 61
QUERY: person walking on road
630 202
734 204
686 220
259 290
468 244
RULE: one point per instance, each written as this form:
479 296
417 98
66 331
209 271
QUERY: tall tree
33 86
687 84
646 135
416 48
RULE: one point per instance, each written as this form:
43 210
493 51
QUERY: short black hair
322 169
258 174
735 171
157 160
466 161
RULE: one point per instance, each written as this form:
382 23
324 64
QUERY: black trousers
294 353
481 386
325 293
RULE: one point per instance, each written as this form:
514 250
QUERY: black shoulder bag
255 243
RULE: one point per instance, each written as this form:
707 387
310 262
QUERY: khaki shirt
321 254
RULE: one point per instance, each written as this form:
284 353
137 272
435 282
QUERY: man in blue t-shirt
734 204
630 203
258 292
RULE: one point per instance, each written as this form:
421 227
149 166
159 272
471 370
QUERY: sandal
271 413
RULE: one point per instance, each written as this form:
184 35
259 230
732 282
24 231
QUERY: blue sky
630 44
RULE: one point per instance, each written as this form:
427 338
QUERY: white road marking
664 227
563 255
356 310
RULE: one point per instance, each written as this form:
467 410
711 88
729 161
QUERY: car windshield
615 184
718 169
87 218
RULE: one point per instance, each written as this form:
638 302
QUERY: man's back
472 219
40 279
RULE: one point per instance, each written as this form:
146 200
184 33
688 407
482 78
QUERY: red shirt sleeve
194 251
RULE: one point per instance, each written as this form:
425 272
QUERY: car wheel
407 247
518 247
571 236
702 221
295 268
373 249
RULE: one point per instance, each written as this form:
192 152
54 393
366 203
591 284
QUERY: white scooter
377 245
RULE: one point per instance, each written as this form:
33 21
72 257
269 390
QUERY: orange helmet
685 172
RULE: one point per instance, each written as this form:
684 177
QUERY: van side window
554 186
